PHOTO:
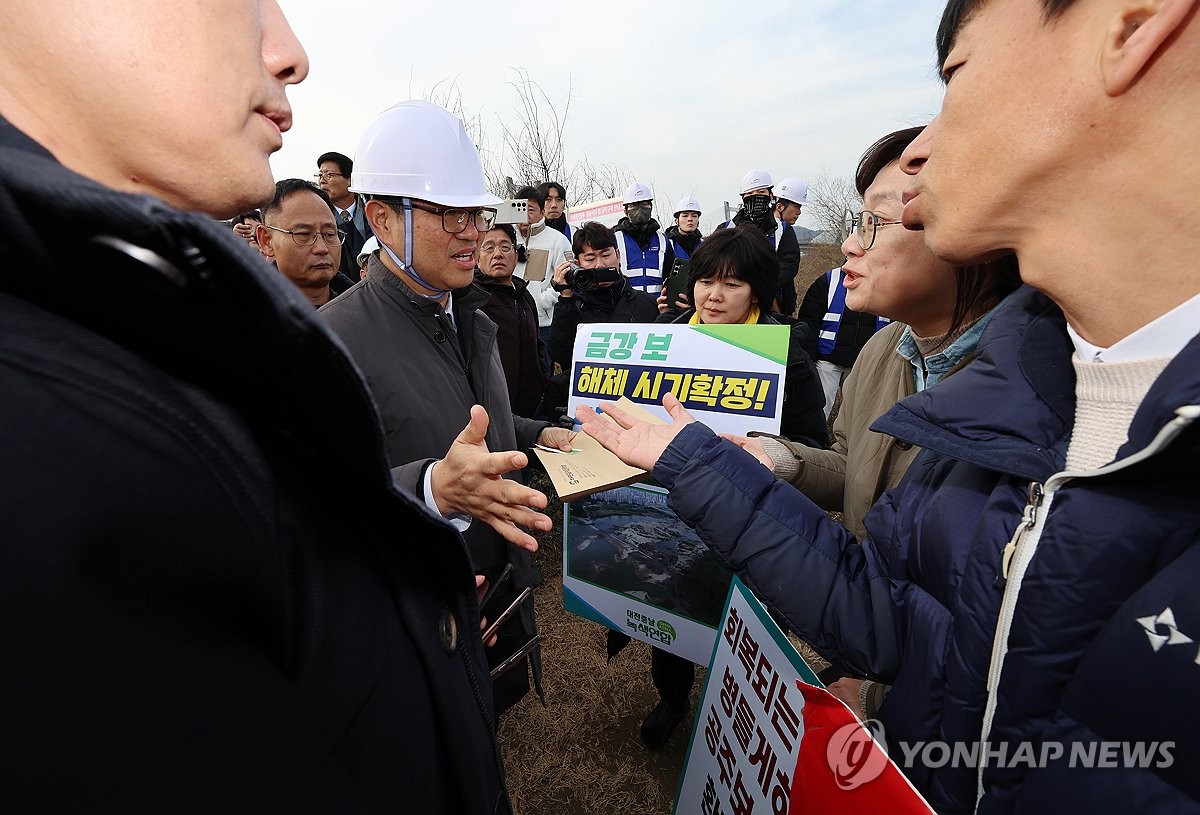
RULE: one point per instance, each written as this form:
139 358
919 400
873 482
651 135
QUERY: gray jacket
425 381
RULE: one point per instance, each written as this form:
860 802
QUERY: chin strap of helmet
407 263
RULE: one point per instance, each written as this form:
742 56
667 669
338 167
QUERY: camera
581 280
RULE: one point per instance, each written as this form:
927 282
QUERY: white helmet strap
407 263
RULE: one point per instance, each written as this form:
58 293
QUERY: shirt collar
1163 337
928 370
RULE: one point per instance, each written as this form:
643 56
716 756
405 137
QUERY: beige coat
880 378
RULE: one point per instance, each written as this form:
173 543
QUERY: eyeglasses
325 176
456 220
504 247
864 226
307 237
636 205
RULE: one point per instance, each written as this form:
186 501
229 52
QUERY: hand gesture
469 480
638 444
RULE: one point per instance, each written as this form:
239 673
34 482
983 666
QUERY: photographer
594 291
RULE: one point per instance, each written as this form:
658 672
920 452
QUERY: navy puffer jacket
1087 652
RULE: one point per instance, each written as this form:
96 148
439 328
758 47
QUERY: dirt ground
581 754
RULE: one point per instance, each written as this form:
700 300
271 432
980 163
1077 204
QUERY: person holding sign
732 275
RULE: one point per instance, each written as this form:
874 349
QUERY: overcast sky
687 95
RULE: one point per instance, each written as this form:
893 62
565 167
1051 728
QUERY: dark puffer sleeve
831 590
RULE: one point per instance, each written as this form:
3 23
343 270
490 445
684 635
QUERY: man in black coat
333 175
516 317
191 622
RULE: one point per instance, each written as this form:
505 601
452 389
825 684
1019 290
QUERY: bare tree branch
829 198
532 144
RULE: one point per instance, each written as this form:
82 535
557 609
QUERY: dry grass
582 755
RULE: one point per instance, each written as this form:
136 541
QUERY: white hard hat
686 204
755 179
416 149
637 191
792 189
369 248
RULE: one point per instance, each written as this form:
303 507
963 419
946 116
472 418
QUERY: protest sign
628 562
728 376
768 738
748 728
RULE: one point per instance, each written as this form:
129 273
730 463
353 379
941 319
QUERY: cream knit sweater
1107 394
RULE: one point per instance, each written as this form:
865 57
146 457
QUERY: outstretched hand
637 443
470 480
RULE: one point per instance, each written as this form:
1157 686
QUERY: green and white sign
629 563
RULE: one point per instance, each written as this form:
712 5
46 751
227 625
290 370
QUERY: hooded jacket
192 620
1097 602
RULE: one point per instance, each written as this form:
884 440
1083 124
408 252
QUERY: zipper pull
1028 519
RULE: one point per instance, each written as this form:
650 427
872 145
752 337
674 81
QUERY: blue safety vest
835 308
643 268
680 252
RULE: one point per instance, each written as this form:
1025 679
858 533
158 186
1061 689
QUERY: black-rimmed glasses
456 220
325 176
864 225
307 237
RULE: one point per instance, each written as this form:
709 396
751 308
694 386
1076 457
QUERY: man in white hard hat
758 209
191 622
415 328
645 252
790 197
684 234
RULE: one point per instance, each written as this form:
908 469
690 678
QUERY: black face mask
758 208
640 216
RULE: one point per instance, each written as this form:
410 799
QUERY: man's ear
379 216
263 235
1138 32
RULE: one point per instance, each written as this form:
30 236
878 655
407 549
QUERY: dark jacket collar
467 299
182 292
518 287
1012 410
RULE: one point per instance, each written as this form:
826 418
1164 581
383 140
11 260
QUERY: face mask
640 216
758 207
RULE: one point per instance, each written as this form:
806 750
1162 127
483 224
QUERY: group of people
195 622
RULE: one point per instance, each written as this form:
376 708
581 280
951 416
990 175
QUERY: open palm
637 443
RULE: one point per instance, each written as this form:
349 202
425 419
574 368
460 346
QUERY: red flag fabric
840 770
